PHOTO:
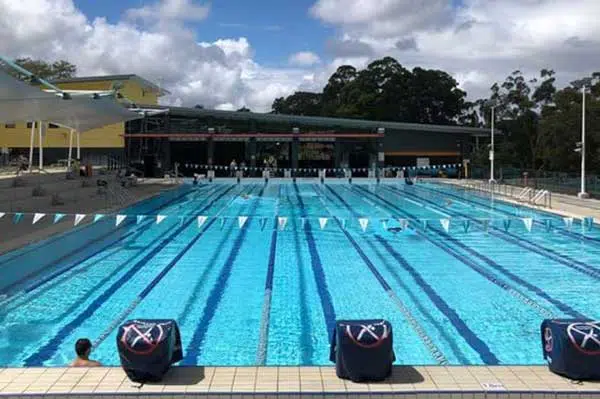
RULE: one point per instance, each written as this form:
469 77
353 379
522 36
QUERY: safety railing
526 195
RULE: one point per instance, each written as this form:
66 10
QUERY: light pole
492 149
583 193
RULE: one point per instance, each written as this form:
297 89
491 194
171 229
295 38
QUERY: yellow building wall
109 136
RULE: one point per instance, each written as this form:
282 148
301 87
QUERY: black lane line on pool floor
211 264
317 267
70 254
216 294
502 270
306 326
154 282
46 351
592 240
98 285
399 281
435 352
469 263
263 337
522 242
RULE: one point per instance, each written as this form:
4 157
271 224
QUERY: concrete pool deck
534 382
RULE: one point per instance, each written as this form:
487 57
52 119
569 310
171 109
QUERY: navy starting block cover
572 347
362 350
148 348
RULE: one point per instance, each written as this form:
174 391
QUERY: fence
558 182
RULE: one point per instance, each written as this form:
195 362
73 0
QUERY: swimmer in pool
83 348
448 203
395 229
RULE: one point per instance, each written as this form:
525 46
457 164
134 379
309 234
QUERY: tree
48 71
384 90
299 103
244 109
198 106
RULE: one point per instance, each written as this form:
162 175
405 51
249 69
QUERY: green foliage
49 71
385 90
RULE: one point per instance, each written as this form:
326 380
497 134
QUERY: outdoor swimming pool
465 283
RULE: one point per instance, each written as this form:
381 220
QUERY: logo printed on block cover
142 339
585 337
367 336
548 340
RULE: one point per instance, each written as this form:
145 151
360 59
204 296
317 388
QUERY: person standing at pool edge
83 348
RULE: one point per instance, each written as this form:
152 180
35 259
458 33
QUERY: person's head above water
83 348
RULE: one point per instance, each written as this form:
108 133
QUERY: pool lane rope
435 352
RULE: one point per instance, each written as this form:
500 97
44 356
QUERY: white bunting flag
528 222
342 223
2 214
97 217
201 220
78 218
384 224
282 222
17 218
242 221
445 224
37 217
548 223
364 223
568 222
119 219
58 217
588 222
140 218
323 222
263 223
506 223
424 224
486 225
160 218
222 222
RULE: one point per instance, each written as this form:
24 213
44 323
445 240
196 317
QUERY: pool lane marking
306 326
46 351
210 263
543 251
435 352
492 278
263 338
66 256
317 268
592 240
404 287
216 294
133 235
261 352
121 317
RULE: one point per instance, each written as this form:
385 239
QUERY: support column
70 149
31 144
380 153
78 146
337 147
251 151
295 151
41 153
210 151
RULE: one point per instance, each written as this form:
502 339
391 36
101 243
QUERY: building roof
20 101
323 121
143 82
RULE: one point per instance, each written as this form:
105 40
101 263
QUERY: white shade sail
81 111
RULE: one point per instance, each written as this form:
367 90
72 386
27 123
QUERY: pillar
295 152
337 146
210 151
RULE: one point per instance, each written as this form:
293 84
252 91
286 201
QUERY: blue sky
275 28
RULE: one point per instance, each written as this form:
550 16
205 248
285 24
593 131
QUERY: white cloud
304 58
215 74
180 10
480 42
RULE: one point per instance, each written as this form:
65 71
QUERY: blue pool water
474 294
